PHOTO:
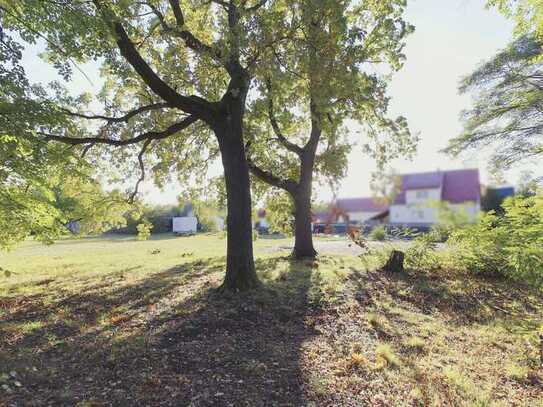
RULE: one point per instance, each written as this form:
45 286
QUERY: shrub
144 230
510 245
442 232
378 233
422 254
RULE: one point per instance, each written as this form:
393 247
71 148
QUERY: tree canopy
527 15
321 83
169 64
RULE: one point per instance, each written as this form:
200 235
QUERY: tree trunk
394 263
240 266
303 236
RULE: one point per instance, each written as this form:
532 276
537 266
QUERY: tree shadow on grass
168 339
463 299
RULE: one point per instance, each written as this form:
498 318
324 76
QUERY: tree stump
394 263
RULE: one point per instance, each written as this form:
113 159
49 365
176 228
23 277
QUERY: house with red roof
354 211
415 204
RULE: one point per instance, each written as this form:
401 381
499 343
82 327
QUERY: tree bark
394 263
303 235
240 266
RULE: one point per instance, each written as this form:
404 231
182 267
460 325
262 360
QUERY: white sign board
185 224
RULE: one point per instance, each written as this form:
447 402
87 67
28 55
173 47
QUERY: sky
452 37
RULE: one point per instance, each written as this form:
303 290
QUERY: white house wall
420 196
421 213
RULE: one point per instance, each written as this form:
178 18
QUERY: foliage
385 185
83 201
449 218
144 230
421 254
207 214
28 171
319 78
510 245
378 233
207 221
279 213
527 15
528 184
506 113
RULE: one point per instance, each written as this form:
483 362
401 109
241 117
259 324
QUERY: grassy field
114 321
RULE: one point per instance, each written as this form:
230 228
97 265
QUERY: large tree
169 64
323 76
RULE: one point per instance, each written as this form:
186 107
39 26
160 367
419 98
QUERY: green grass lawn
115 321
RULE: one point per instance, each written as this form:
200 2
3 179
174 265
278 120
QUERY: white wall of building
420 208
417 196
412 214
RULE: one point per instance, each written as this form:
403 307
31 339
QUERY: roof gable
457 186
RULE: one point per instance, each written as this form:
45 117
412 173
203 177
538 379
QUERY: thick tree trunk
394 263
240 267
303 236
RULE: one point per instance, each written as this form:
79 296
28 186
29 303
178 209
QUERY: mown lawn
113 321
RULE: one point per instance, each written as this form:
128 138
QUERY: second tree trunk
303 234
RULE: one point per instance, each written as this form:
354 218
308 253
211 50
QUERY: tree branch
256 6
189 104
150 135
280 137
122 119
266 176
179 31
177 12
142 169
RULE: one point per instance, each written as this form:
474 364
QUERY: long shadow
463 299
166 340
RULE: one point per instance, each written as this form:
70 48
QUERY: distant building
415 204
361 210
346 214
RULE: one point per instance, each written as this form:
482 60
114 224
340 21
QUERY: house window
422 194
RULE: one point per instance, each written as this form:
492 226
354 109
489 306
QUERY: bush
422 254
144 230
378 233
510 245
442 232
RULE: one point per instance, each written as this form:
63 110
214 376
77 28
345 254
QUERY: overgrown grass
114 321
